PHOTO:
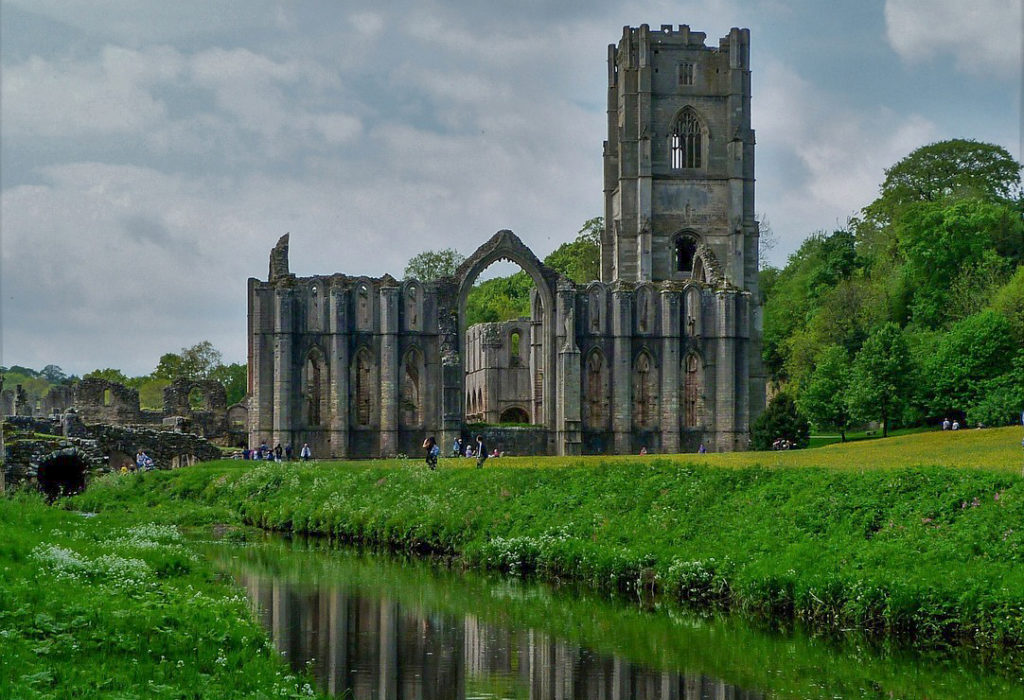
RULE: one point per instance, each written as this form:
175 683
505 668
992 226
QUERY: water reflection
377 648
386 627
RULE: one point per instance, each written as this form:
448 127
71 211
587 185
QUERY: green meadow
917 539
868 540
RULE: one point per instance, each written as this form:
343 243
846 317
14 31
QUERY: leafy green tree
823 399
783 420
499 299
1000 400
432 264
169 367
109 374
882 380
940 239
973 351
234 377
1008 301
580 260
960 167
53 374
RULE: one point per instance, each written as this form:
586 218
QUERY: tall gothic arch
596 391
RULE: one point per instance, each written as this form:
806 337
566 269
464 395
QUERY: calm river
376 626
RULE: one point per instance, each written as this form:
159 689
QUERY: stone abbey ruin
662 353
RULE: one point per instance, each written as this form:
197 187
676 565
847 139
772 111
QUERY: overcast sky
153 152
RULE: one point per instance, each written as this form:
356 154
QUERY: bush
781 420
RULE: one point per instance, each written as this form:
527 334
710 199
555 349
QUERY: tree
235 379
109 374
432 264
823 400
939 240
1009 301
53 374
169 367
200 360
974 351
882 377
580 260
960 167
499 299
780 420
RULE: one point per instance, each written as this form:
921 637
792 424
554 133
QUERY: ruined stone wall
101 401
499 378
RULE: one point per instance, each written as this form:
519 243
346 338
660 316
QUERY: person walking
305 452
457 447
481 451
278 452
430 445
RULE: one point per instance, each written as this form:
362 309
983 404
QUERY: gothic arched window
687 141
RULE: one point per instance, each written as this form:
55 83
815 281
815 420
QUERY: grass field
996 449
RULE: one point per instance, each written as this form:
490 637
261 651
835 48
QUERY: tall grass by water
931 554
121 607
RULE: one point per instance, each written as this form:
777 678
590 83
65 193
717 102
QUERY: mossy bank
928 554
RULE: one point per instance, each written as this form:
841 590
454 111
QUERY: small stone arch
596 391
645 308
596 308
411 395
412 305
645 386
692 314
62 473
514 414
365 389
363 303
693 390
315 388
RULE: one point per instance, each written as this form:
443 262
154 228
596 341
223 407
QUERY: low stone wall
512 441
104 448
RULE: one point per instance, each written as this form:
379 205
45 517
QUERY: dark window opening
686 250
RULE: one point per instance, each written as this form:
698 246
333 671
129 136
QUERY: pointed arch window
687 141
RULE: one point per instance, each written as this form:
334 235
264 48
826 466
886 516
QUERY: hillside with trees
914 311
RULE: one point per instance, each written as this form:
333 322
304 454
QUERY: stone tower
679 159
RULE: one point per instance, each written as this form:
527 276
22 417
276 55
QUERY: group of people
278 453
782 444
433 451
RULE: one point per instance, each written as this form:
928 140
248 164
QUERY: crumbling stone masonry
662 353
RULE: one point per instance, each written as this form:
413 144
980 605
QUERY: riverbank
928 555
120 606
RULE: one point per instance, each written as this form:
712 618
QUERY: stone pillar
536 362
671 341
389 371
622 360
742 371
339 363
725 371
283 338
568 422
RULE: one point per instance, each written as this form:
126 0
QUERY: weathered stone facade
662 354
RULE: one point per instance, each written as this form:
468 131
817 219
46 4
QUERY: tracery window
687 141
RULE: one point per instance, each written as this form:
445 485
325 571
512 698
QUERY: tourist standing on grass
278 452
457 447
305 452
430 445
945 424
481 451
702 450
288 452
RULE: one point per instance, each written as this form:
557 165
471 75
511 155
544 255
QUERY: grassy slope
119 607
934 553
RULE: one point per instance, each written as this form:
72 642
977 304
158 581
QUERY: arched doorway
515 414
539 348
62 473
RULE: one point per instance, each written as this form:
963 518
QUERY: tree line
911 313
198 362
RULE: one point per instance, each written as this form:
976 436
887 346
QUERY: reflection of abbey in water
380 649
662 353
